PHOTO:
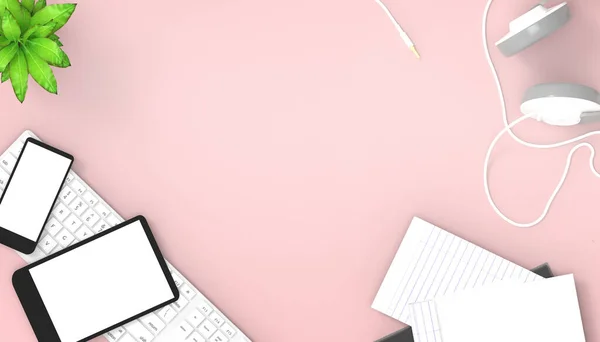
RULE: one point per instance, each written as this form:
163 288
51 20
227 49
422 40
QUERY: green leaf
40 71
56 39
28 4
7 54
6 74
2 8
19 75
58 14
22 15
43 31
29 32
11 29
49 51
3 41
38 6
2 11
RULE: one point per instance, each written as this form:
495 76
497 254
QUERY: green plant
29 44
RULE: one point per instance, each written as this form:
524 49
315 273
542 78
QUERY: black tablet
97 285
30 194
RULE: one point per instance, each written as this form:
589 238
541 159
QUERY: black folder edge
405 335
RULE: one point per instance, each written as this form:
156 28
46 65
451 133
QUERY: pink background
279 149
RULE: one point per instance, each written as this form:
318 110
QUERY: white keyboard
80 213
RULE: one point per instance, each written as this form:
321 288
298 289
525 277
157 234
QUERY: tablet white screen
32 191
102 283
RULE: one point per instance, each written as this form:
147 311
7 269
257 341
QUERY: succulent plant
29 44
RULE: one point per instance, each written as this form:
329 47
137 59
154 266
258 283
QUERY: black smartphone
67 298
30 194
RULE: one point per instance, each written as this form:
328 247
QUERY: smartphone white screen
33 188
101 283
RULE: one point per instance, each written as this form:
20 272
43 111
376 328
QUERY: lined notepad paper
430 263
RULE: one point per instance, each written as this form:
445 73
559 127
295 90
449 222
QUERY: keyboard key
90 217
116 334
64 238
53 226
89 198
78 207
69 178
187 291
61 212
207 329
181 303
218 337
102 210
33 257
153 323
176 279
72 223
83 233
228 329
112 220
139 332
195 337
100 226
184 330
205 308
3 178
77 186
67 195
195 318
127 338
16 149
216 319
47 244
8 161
167 314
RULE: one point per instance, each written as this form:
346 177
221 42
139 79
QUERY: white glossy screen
32 190
102 283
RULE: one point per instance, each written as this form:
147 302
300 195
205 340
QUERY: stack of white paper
433 268
431 262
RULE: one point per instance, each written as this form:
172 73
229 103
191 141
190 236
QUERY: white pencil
403 34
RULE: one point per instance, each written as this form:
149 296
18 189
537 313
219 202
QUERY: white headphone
558 104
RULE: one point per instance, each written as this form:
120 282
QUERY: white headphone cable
409 43
558 186
507 128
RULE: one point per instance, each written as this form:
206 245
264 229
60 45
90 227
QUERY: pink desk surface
279 149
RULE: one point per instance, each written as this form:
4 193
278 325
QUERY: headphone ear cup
562 104
532 27
590 117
